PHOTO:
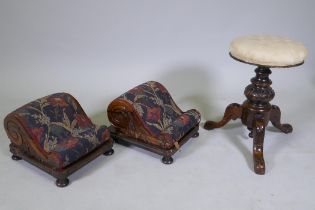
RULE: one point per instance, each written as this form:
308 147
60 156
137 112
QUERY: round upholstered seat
272 51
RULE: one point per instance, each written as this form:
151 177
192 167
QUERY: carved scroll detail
14 131
21 141
119 117
258 146
124 118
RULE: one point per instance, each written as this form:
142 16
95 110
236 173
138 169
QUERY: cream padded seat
270 51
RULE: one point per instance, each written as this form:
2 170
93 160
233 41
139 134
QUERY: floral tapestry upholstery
161 117
60 128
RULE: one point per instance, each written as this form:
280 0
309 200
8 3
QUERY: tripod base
256 121
255 113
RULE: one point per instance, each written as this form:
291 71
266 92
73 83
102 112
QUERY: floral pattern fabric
60 128
159 113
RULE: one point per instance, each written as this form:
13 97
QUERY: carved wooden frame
126 123
23 147
165 153
256 112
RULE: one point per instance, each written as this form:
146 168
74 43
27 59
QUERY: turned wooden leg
62 182
258 144
275 116
232 112
109 152
167 160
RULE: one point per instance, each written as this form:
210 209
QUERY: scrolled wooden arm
15 131
20 139
119 113
125 118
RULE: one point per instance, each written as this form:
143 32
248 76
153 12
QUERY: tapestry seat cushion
160 116
60 129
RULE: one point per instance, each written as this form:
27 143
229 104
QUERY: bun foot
109 152
15 157
62 182
167 160
251 134
196 135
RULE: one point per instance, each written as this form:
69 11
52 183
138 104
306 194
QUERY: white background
97 50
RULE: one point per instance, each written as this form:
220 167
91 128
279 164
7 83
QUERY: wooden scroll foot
195 135
62 182
15 157
109 152
275 116
232 112
258 145
167 160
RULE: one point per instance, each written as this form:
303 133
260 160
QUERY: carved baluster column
258 95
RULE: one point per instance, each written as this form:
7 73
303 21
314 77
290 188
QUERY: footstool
147 116
54 134
265 52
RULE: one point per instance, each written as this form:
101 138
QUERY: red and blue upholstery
153 115
59 129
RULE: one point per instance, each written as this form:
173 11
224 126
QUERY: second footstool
146 116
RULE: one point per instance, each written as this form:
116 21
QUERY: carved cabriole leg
232 112
254 113
275 116
62 182
258 144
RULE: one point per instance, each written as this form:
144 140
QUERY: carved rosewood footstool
265 52
54 134
146 116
